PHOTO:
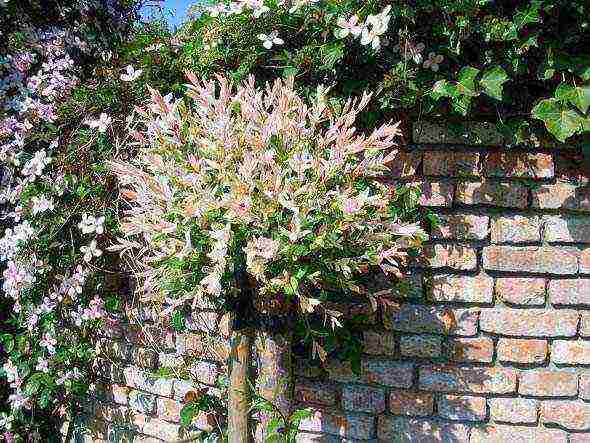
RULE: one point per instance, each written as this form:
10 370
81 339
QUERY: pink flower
351 206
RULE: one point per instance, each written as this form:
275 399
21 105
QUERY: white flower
376 26
41 204
348 27
102 123
42 365
90 224
90 251
269 40
34 167
433 61
130 74
410 51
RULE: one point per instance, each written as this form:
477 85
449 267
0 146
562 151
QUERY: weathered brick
155 427
548 383
518 164
111 392
409 430
474 380
569 292
146 358
170 360
461 288
462 407
363 399
205 372
449 163
516 434
315 393
412 403
585 261
567 229
514 410
515 229
579 437
571 415
207 322
585 386
142 402
432 319
529 322
112 413
425 346
388 373
437 194
182 387
492 193
585 324
341 371
115 350
571 352
461 227
378 343
539 259
479 349
108 370
169 409
405 164
562 195
522 350
347 426
203 346
150 335
472 133
528 291
454 256
145 381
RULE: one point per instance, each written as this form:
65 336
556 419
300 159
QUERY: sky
174 10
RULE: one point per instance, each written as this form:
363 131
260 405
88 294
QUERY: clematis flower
90 224
90 251
410 50
271 39
41 204
433 61
131 74
101 124
348 27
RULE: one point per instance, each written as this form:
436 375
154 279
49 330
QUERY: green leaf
178 321
466 79
525 17
559 120
290 71
299 415
274 425
493 80
187 413
580 98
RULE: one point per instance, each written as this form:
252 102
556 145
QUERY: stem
239 398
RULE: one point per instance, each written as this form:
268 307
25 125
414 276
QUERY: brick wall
493 344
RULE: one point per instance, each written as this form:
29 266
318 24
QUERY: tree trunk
239 398
275 381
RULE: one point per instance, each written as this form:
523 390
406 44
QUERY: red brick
423 346
528 291
461 288
341 371
378 343
411 403
436 194
454 256
448 163
529 322
347 426
548 383
405 164
388 373
567 229
363 399
408 430
145 381
492 193
515 229
520 434
479 349
518 164
432 319
571 415
315 393
570 352
461 227
514 410
474 380
462 407
570 292
562 195
169 409
522 350
538 259
585 261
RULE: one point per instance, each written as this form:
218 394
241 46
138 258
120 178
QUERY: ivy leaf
577 96
187 413
466 79
559 120
493 81
178 321
530 15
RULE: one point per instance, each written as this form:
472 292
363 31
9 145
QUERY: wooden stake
239 398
